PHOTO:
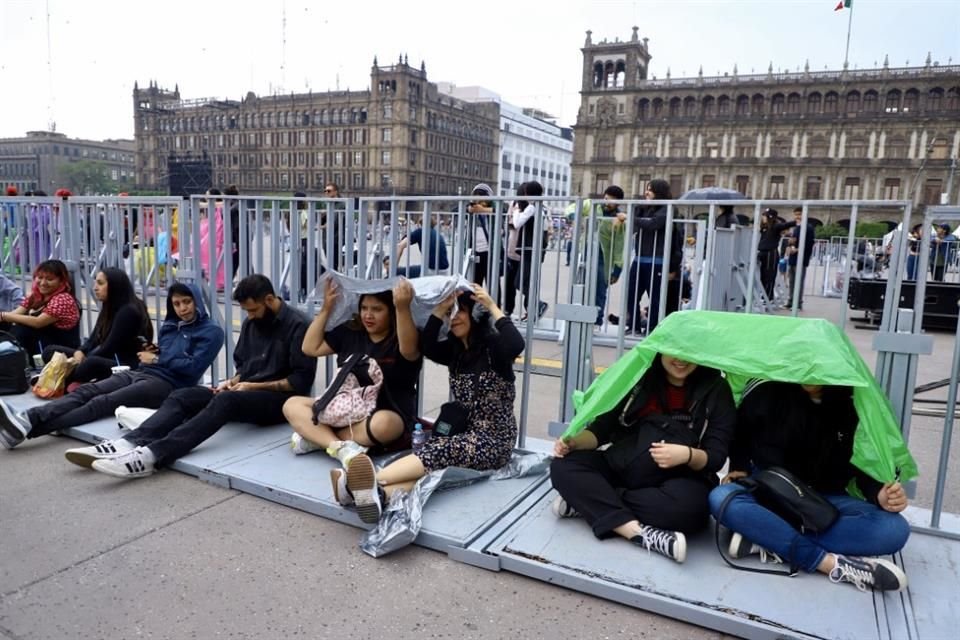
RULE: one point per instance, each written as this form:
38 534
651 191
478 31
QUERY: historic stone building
36 162
399 137
808 135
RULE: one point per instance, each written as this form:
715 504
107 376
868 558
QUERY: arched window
709 107
911 100
892 104
756 104
598 75
657 107
675 104
619 74
870 101
896 147
793 103
856 147
743 105
830 102
608 75
689 106
935 99
853 103
723 105
777 104
953 99
813 103
643 109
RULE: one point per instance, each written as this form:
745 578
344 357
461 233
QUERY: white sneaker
362 483
301 446
345 451
338 480
84 456
562 509
136 463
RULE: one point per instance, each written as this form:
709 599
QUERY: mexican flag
843 4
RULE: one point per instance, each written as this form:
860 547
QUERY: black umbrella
713 193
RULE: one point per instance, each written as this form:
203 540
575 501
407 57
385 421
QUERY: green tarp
745 346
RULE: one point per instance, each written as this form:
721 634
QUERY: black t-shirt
400 376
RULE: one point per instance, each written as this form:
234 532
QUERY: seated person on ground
809 430
50 314
122 329
669 438
189 342
480 362
388 335
270 368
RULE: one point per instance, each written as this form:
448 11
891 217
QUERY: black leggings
608 499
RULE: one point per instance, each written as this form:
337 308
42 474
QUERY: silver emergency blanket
403 518
429 291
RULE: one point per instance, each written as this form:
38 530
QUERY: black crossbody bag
784 494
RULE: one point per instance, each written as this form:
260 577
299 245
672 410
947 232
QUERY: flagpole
846 54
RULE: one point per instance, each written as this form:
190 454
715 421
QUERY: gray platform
507 525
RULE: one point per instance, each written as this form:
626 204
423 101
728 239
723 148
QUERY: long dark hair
120 293
386 297
55 268
661 189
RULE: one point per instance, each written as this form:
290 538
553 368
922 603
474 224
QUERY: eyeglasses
328 190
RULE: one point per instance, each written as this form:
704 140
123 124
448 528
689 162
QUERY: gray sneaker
14 426
869 573
362 484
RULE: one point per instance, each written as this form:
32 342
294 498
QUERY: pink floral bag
352 396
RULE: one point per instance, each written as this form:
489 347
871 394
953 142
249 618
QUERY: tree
89 177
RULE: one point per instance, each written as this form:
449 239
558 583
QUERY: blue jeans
602 284
863 529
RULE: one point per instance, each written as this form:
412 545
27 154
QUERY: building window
678 150
675 107
387 111
746 149
338 158
777 104
830 103
676 184
709 180
708 107
780 149
818 148
934 99
853 103
932 189
896 148
793 104
892 104
812 192
911 100
385 181
386 135
743 185
856 148
891 189
357 181
358 158
777 187
743 105
385 158
603 181
723 105
851 188
813 103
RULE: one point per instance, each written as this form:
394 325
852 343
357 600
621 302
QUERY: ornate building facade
399 137
888 133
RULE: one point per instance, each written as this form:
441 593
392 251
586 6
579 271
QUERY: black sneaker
542 309
869 573
740 547
613 319
672 544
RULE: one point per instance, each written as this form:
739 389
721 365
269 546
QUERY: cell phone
143 341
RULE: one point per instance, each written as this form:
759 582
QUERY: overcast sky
528 51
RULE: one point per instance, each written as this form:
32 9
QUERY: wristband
690 456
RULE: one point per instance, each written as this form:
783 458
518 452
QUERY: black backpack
13 367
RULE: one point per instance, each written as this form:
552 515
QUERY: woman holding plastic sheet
479 353
50 314
668 438
809 430
382 329
122 330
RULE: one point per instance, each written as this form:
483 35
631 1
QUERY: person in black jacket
669 438
809 431
793 254
270 367
646 270
771 228
480 361
122 330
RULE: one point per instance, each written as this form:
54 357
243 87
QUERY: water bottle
419 438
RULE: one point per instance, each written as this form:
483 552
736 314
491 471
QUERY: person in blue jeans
809 431
610 252
438 261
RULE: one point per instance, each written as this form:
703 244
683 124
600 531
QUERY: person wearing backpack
479 353
382 329
270 368
669 437
189 341
808 430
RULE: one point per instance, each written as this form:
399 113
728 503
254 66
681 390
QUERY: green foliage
827 231
89 177
871 229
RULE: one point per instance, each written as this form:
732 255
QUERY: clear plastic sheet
429 291
403 517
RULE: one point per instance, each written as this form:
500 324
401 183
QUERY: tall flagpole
846 55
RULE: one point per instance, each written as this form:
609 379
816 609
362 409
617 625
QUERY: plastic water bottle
419 437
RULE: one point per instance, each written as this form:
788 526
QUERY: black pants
938 271
92 368
767 261
601 494
97 400
35 340
480 267
191 415
517 277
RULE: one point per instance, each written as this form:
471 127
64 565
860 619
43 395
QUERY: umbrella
713 193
